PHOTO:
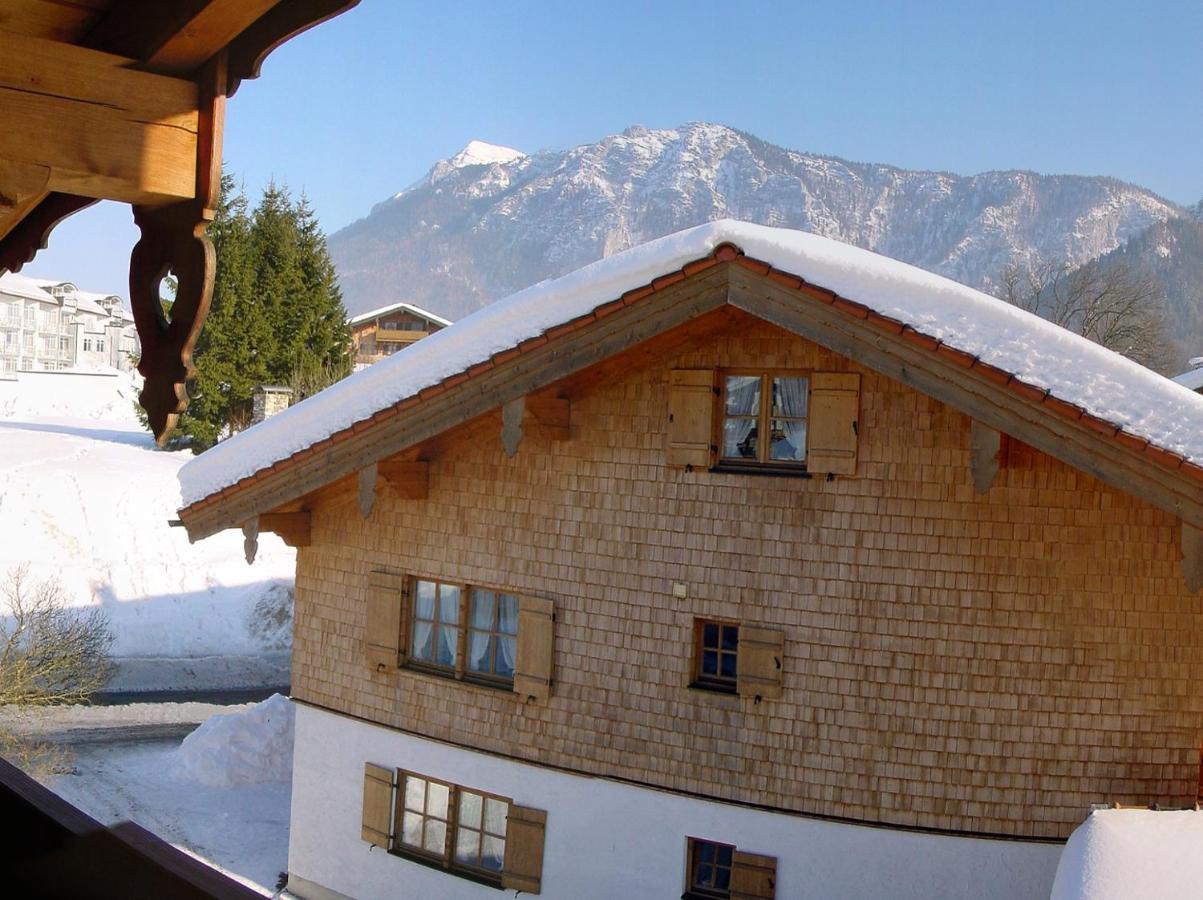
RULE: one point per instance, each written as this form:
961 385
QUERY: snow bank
1118 854
88 502
1072 368
101 393
249 747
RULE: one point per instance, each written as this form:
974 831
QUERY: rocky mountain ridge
492 220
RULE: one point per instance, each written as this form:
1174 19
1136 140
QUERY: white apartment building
48 325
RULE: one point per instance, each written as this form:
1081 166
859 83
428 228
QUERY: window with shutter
459 829
761 652
525 834
536 648
717 871
385 626
764 420
377 804
834 430
690 418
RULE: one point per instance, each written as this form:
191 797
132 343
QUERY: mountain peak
482 153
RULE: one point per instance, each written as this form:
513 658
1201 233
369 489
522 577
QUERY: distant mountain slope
1172 253
491 221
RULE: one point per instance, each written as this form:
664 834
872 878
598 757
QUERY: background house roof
1192 379
1070 368
393 307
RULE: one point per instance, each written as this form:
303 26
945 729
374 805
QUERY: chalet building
382 332
47 326
671 576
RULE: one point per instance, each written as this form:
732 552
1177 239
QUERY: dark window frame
763 418
716 681
695 850
460 670
446 861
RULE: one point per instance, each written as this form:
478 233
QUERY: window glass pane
728 665
739 438
436 800
467 847
724 855
789 440
480 651
469 809
507 614
704 875
424 599
435 838
415 793
710 662
448 642
411 829
730 637
507 652
423 641
483 603
495 813
743 395
789 397
706 851
710 634
722 879
492 853
449 603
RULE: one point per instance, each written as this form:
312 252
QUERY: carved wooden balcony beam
127 103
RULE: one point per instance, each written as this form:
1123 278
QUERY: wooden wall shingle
984 663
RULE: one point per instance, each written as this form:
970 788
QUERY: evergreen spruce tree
276 318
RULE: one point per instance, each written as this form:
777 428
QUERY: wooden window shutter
377 804
536 648
832 428
691 401
758 665
524 835
387 612
753 877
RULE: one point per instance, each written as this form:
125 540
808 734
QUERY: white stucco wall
606 839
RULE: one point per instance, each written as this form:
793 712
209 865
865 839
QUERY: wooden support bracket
293 527
410 479
1192 557
250 540
367 489
985 449
512 414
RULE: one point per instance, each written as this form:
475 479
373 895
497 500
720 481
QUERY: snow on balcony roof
1117 854
1070 367
393 307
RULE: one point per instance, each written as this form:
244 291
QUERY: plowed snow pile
249 747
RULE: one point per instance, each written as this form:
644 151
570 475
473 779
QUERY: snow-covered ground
223 794
87 499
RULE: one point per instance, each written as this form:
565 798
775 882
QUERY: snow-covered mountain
491 220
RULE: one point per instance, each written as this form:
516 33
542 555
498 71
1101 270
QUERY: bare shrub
50 654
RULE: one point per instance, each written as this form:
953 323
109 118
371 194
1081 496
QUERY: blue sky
362 106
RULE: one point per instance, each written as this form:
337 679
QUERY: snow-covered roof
393 307
1118 854
1069 367
1192 379
20 286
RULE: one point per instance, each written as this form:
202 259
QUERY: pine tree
276 317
